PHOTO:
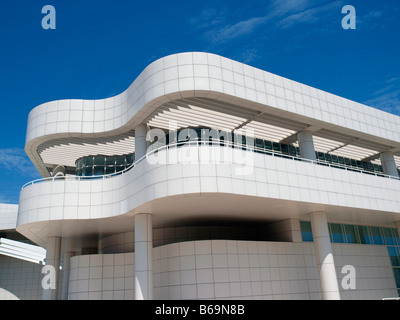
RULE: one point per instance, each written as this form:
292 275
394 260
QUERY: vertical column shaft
143 257
306 145
389 164
53 253
325 261
140 141
65 284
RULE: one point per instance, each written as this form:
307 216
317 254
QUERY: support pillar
143 257
389 164
65 285
53 253
325 261
306 145
140 141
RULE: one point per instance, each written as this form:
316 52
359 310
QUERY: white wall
227 269
20 279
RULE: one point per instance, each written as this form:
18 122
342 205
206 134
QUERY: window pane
120 161
365 236
98 170
110 170
88 161
377 235
99 161
306 232
110 161
396 272
389 236
88 171
351 234
394 256
337 233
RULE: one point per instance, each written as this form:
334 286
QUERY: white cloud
388 97
16 161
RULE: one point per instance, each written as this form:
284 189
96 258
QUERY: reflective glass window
337 233
99 160
377 235
394 256
390 237
277 147
110 161
328 157
365 235
88 161
351 234
88 171
306 232
120 161
268 145
98 170
110 170
129 160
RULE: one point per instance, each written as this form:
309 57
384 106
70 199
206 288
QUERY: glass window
99 161
260 143
335 159
88 171
394 256
129 160
277 147
390 237
88 161
306 232
321 156
341 160
79 164
110 170
396 272
337 233
120 161
98 170
377 235
268 145
351 234
110 161
292 151
328 157
347 161
285 148
365 236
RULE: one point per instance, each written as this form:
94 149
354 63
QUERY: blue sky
100 47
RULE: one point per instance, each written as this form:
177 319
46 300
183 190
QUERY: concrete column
140 141
306 145
143 257
66 269
53 252
323 249
388 164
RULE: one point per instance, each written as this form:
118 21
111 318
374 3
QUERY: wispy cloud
14 160
312 15
388 97
220 27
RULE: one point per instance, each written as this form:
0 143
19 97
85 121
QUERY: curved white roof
237 89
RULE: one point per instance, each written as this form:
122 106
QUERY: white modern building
211 179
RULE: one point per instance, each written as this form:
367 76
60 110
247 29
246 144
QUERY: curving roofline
204 75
